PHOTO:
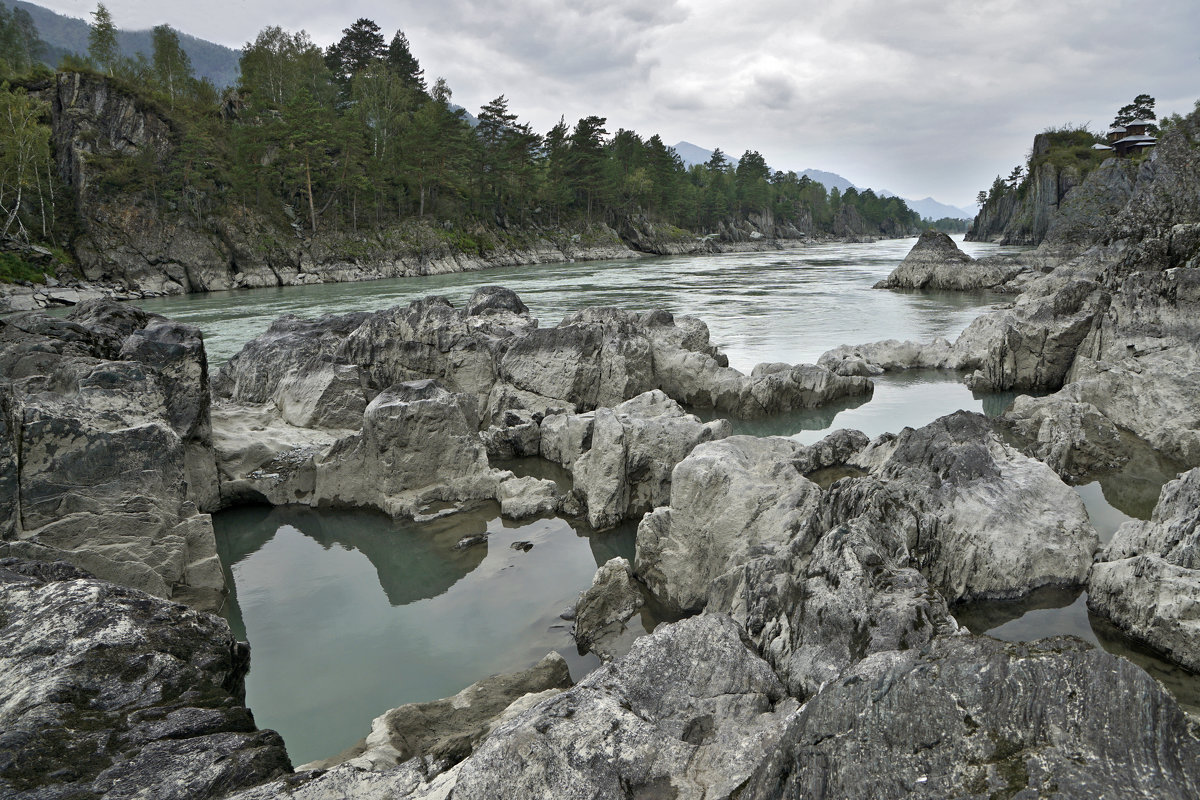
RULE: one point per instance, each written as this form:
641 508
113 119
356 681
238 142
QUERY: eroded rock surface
493 349
687 714
109 692
605 607
972 716
107 451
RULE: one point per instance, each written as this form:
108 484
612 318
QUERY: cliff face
1022 214
112 148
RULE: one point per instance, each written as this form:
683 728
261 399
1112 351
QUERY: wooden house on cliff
1129 139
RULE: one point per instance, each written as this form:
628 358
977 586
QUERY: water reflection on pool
420 618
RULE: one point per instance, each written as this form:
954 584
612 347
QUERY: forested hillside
353 146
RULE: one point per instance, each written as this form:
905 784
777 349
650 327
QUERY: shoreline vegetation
345 162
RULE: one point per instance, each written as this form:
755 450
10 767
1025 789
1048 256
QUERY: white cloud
921 97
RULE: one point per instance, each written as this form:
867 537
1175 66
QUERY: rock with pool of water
1147 581
605 607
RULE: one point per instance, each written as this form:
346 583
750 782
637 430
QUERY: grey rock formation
494 351
108 449
1147 581
687 714
419 444
974 717
731 500
605 607
935 262
441 733
981 519
626 470
521 498
108 692
1073 438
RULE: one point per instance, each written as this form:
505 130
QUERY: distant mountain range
928 208
66 35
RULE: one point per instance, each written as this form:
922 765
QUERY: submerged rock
110 692
1147 581
605 607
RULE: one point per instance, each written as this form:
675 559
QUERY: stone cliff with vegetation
346 164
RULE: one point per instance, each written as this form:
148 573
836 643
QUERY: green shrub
13 268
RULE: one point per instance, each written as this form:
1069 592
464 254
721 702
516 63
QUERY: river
350 614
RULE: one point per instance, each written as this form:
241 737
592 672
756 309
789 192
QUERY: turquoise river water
349 613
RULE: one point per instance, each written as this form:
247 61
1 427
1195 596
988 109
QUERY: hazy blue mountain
930 208
695 154
69 35
829 179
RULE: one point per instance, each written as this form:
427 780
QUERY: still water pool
350 614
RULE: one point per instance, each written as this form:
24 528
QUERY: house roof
1135 141
1099 146
1117 129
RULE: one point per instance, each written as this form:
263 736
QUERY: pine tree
102 40
402 62
361 46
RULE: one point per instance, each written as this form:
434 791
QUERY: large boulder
972 716
108 449
747 534
419 444
981 520
688 713
1147 581
109 692
626 471
731 500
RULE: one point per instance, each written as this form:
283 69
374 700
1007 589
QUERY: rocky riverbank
818 654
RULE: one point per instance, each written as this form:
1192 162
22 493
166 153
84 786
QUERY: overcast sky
920 97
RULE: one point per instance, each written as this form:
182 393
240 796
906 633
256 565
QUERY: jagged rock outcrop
107 451
621 458
595 358
971 716
980 519
686 714
731 500
605 607
109 692
1072 437
1147 581
935 262
820 578
976 517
